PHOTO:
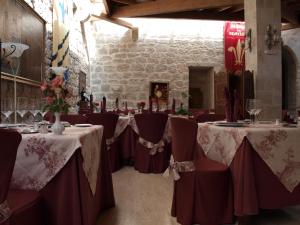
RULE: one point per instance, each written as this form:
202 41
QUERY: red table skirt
255 186
128 140
68 198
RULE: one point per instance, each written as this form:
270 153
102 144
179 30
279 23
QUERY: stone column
265 63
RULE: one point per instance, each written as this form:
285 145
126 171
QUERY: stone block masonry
164 51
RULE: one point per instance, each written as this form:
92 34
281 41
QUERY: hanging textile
60 51
234 38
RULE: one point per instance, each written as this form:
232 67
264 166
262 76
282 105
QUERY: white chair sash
109 142
176 167
5 211
154 148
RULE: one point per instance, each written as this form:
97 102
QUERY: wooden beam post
289 14
107 6
170 6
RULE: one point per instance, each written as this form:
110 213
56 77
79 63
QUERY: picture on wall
160 91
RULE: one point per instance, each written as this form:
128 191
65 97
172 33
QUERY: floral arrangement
55 92
141 105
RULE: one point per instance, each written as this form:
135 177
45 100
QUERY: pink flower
57 81
44 86
49 100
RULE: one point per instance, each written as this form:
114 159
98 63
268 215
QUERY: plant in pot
55 92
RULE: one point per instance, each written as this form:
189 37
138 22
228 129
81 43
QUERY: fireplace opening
289 76
201 88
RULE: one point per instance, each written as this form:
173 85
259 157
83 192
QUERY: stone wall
78 55
265 63
164 51
291 38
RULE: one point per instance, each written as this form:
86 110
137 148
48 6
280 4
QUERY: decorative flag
234 39
60 50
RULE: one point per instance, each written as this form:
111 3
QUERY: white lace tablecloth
41 156
125 121
279 147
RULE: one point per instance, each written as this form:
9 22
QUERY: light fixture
248 40
272 38
12 50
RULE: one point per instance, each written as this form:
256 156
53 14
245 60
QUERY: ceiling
194 9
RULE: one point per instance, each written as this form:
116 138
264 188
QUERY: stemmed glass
7 106
253 107
43 112
258 108
33 107
22 105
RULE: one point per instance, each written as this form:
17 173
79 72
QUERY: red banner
234 38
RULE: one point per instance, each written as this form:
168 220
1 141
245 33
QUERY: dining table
70 171
264 160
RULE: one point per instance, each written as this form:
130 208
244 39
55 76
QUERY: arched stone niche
289 78
291 40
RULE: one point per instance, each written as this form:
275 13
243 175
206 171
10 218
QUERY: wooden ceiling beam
289 26
223 9
117 21
170 6
237 9
108 6
126 2
203 15
289 14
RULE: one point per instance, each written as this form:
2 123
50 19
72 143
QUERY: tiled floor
145 199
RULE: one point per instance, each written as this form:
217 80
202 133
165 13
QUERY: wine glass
258 108
7 108
250 108
22 105
42 110
33 107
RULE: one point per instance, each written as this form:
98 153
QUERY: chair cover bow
109 142
5 211
176 167
154 148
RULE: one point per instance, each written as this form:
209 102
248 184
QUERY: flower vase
57 127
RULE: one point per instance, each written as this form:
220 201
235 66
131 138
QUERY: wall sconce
272 38
248 40
11 50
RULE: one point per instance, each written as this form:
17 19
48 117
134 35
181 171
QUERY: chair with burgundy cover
109 122
17 207
152 154
208 117
49 117
202 187
74 118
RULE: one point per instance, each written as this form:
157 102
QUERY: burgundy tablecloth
255 186
68 197
128 141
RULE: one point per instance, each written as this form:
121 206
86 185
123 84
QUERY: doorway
289 74
201 88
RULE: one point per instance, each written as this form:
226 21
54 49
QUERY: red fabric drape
234 37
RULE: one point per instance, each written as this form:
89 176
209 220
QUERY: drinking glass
42 111
292 116
254 108
258 108
250 108
33 107
22 106
7 108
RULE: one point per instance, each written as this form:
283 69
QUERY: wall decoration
234 39
62 10
160 91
